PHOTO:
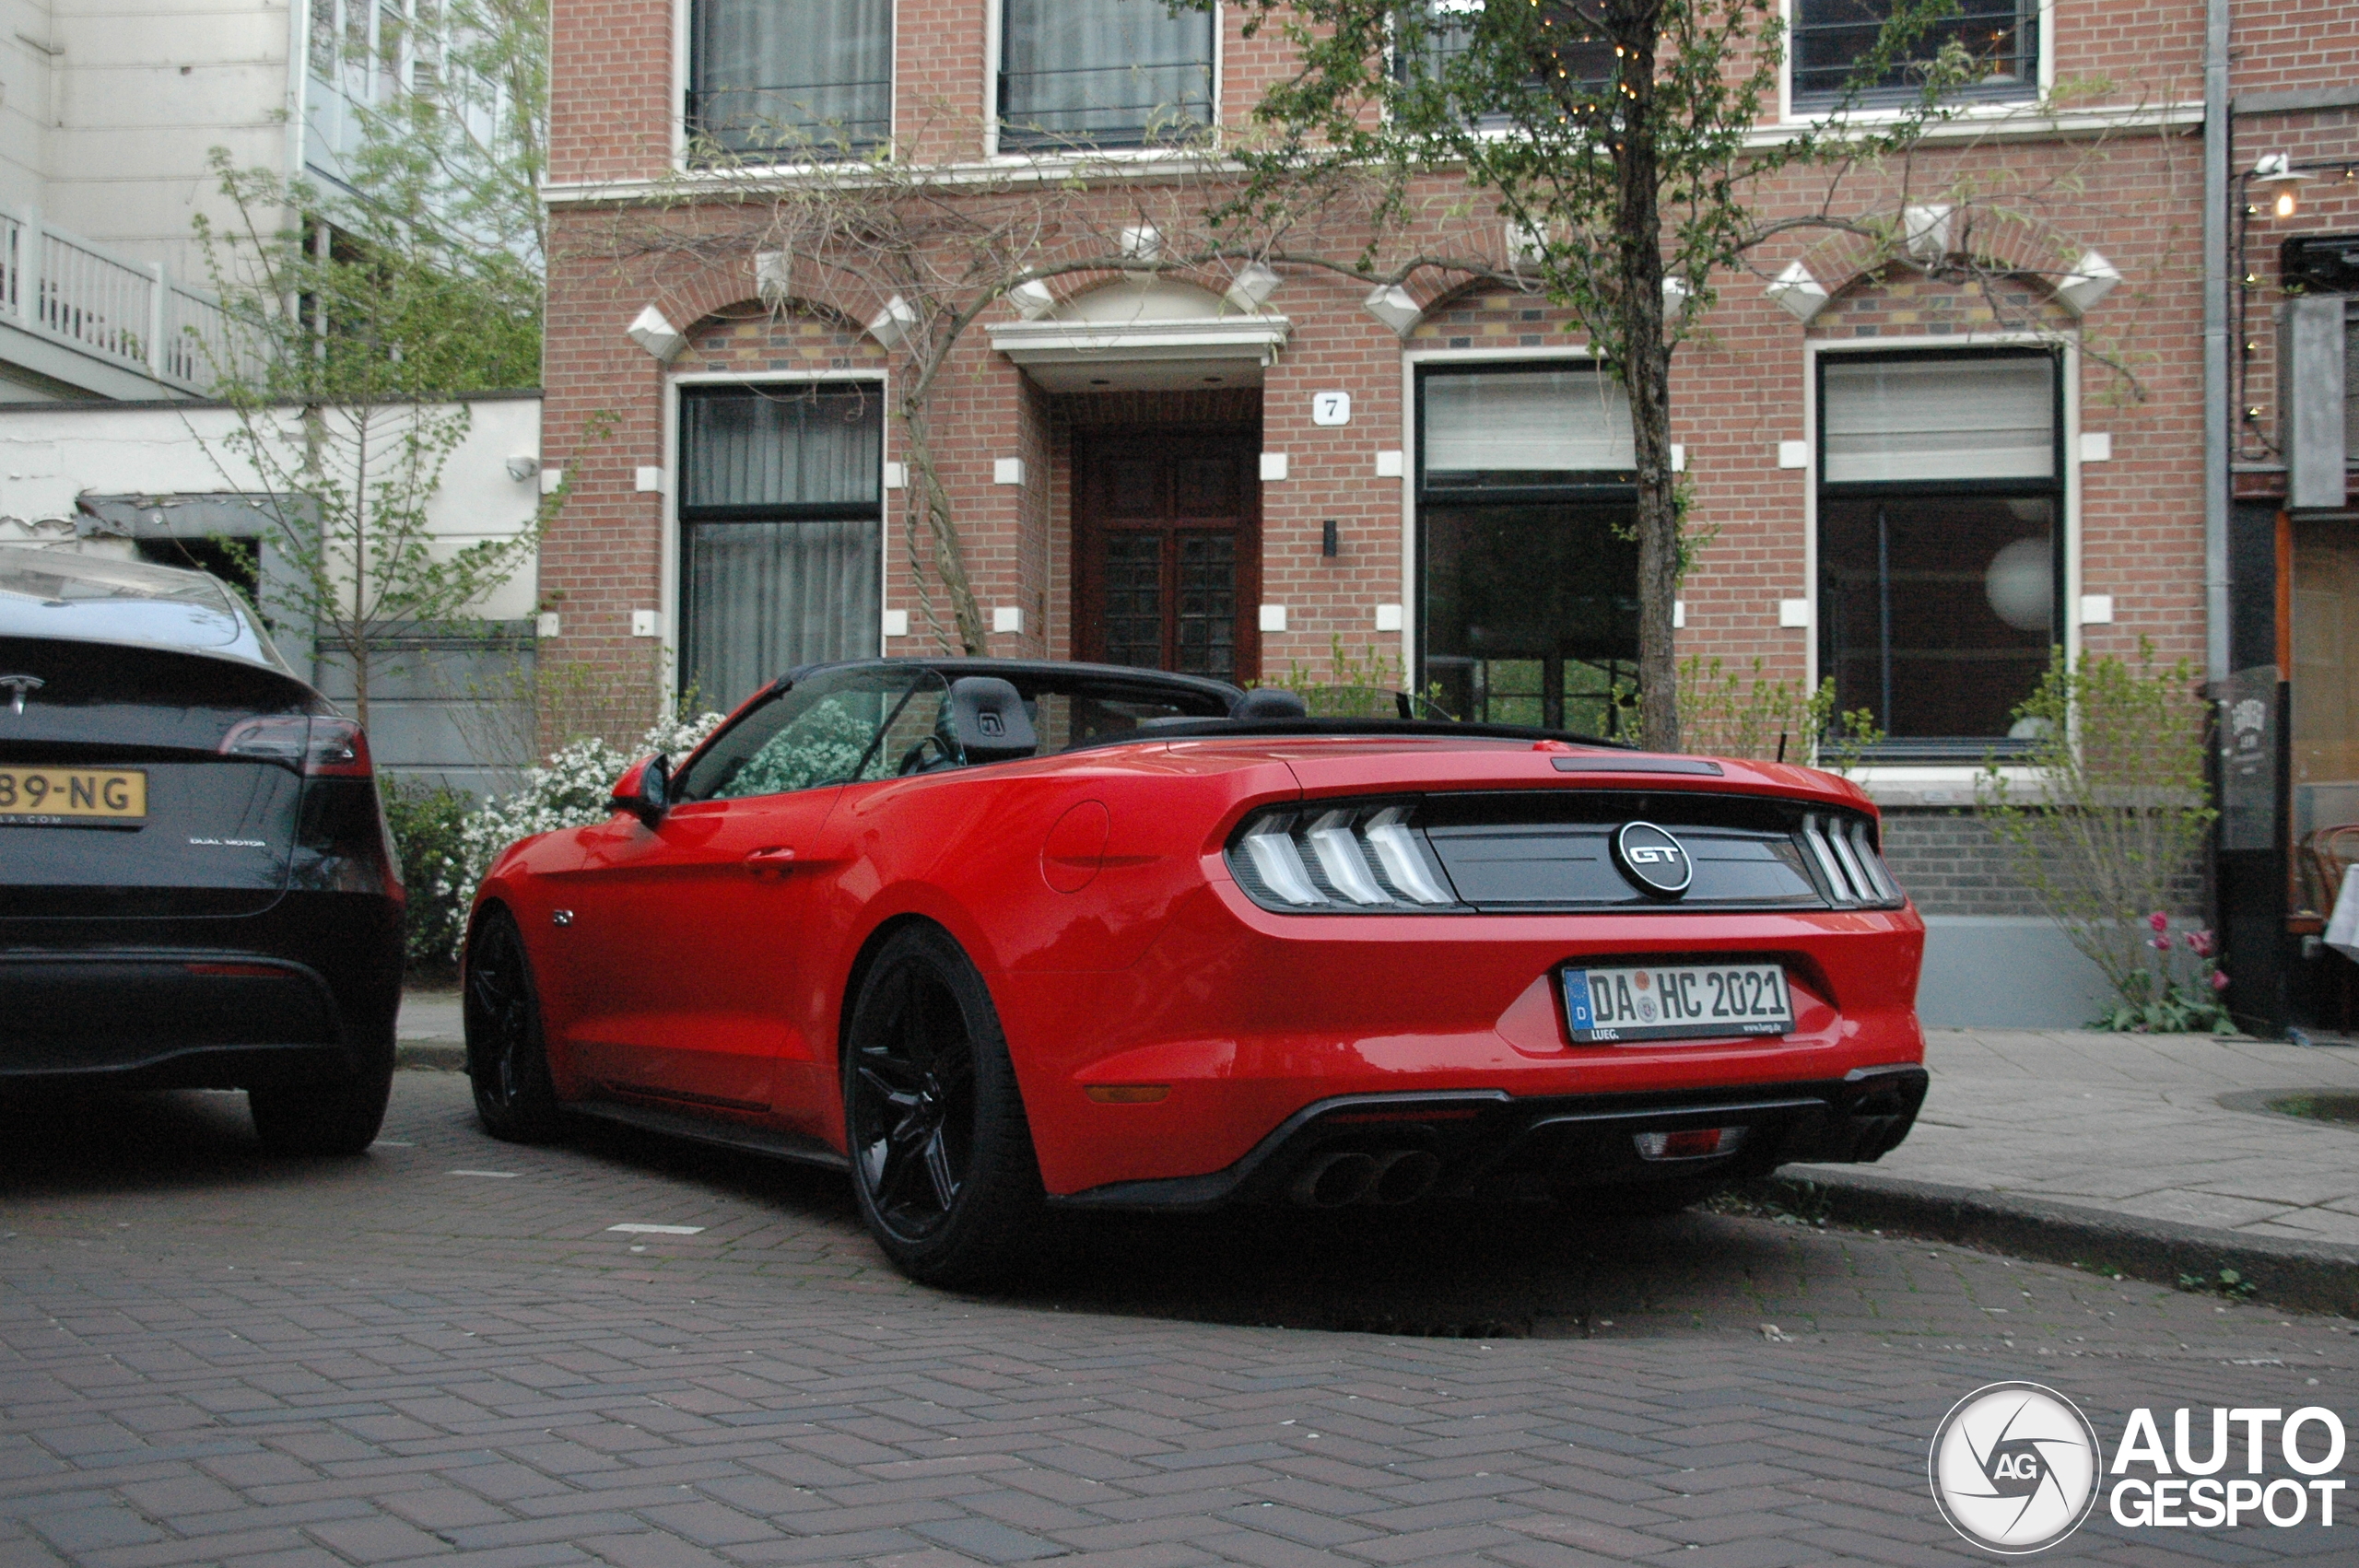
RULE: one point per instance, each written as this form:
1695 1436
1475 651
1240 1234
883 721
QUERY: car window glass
824 730
917 737
1063 719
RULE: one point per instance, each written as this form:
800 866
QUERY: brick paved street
443 1353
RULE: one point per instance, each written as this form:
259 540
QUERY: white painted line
391 1143
503 1176
638 1230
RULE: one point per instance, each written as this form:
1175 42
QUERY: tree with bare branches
1619 140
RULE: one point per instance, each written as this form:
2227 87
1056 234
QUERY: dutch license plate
1676 1001
65 796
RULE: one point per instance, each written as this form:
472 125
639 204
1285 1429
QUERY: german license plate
1676 1001
65 796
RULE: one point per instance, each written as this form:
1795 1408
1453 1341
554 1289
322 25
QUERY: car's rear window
62 593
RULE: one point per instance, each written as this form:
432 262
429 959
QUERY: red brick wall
2133 192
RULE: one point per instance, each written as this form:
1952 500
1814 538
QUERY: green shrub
427 821
2111 807
1352 688
1724 713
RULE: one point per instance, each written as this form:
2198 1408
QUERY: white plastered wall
52 453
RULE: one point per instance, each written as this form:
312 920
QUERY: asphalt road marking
503 1176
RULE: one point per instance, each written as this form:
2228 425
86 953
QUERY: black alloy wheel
506 1061
942 1156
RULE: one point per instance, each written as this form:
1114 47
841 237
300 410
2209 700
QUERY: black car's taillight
1352 856
1845 853
315 745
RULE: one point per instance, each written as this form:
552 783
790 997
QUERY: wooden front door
1168 549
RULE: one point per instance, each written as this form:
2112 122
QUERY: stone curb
2319 1276
430 1056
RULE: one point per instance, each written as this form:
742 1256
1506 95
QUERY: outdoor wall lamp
2279 183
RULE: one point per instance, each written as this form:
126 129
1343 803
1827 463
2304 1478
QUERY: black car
196 885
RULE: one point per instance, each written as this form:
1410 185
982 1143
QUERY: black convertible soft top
1205 705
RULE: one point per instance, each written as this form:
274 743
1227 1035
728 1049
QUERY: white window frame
1942 777
2001 108
994 40
669 585
682 37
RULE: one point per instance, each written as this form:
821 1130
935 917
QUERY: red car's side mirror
644 789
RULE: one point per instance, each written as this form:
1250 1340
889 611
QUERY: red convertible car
1002 936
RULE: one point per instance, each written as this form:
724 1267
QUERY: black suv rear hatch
121 793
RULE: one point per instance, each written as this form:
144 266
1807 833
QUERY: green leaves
2104 815
1620 138
360 314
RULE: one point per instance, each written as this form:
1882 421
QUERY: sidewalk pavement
2132 1125
430 1032
2108 1150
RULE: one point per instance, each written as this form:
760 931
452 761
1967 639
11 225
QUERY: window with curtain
1940 541
1833 38
1103 73
781 519
800 78
1528 586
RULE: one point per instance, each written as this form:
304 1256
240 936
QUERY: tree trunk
359 646
357 642
926 494
1645 370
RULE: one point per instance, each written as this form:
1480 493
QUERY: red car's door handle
774 862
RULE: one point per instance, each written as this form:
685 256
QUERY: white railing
56 285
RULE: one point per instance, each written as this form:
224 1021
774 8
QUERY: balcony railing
56 285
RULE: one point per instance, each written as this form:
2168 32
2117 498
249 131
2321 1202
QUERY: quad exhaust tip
1332 1181
1404 1177
1336 1181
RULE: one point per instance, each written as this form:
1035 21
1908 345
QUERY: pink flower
2219 981
2159 921
2161 945
2199 943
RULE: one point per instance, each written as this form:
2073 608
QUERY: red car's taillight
1353 856
313 744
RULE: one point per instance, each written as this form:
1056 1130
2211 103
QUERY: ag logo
1652 859
2014 1467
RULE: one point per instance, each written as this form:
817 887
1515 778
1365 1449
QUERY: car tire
323 1119
508 1060
942 1164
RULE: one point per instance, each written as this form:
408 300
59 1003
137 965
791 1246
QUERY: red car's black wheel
506 1061
941 1154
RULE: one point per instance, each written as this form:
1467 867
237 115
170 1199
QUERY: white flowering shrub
569 789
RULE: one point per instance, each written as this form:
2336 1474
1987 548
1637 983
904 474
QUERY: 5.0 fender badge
1656 863
17 686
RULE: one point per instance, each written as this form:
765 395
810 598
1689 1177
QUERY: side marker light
1127 1093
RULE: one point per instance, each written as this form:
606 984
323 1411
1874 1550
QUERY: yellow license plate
50 795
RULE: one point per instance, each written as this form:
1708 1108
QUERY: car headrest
1270 702
986 717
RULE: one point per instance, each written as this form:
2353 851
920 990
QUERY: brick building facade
2079 172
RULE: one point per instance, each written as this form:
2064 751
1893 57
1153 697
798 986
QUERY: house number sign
1330 408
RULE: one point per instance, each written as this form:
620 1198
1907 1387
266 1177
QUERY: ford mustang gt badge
1655 862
